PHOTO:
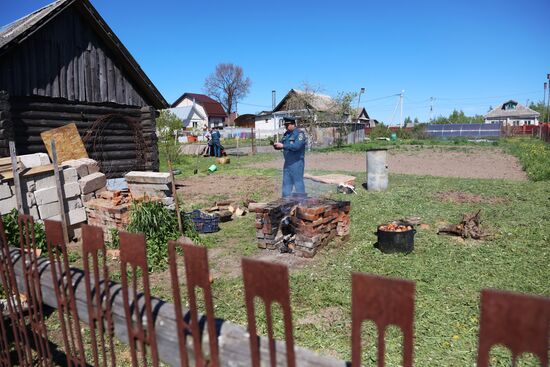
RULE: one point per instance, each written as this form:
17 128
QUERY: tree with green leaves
168 124
540 108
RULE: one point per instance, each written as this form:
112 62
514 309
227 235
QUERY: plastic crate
204 223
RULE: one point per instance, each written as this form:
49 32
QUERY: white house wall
265 128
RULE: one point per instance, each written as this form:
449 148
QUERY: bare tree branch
227 84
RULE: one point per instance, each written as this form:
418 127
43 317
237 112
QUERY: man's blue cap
289 120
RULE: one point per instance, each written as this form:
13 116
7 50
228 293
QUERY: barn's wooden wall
66 59
116 146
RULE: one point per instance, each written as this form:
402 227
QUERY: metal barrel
377 170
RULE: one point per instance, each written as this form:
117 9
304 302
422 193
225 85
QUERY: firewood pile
227 210
314 222
469 227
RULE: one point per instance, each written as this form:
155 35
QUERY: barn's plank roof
18 31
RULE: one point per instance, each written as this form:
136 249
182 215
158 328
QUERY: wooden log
27 104
233 340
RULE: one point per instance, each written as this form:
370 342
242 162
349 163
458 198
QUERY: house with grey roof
512 113
192 116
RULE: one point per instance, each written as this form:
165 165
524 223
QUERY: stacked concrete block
150 185
91 182
80 179
34 160
7 198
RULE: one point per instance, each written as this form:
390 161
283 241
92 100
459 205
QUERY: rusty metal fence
156 330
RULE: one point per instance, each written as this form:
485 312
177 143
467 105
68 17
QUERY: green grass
534 155
187 165
449 273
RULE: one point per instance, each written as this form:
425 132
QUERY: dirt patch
470 162
205 189
325 317
459 197
226 265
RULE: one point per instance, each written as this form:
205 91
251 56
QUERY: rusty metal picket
197 275
98 296
519 322
15 310
133 257
386 302
30 259
64 292
269 282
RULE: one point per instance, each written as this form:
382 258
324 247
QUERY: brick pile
315 222
268 221
109 210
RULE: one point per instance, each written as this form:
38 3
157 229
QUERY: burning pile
313 223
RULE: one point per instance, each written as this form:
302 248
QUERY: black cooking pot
391 241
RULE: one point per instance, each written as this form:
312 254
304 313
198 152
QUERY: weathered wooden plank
111 84
94 73
103 95
234 349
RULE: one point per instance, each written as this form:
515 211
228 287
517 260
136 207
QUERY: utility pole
273 100
401 122
431 108
548 100
543 102
357 120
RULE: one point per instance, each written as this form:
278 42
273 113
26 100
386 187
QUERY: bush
380 131
11 227
159 225
167 126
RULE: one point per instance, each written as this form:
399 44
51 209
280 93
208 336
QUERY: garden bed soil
468 162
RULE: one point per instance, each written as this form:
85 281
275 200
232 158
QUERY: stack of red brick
109 210
314 222
268 221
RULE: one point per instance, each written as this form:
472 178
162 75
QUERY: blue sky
466 54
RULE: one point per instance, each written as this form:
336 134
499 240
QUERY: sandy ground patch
469 162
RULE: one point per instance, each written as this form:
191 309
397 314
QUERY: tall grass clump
533 154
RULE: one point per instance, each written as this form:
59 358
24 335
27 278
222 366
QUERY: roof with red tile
211 106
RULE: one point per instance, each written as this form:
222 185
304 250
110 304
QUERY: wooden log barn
64 64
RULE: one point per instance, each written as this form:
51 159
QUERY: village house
512 113
64 64
192 116
215 114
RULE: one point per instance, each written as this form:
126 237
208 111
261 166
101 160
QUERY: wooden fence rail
233 341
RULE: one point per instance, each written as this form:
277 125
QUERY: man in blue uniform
293 146
216 142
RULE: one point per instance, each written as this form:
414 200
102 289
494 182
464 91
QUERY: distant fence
478 131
